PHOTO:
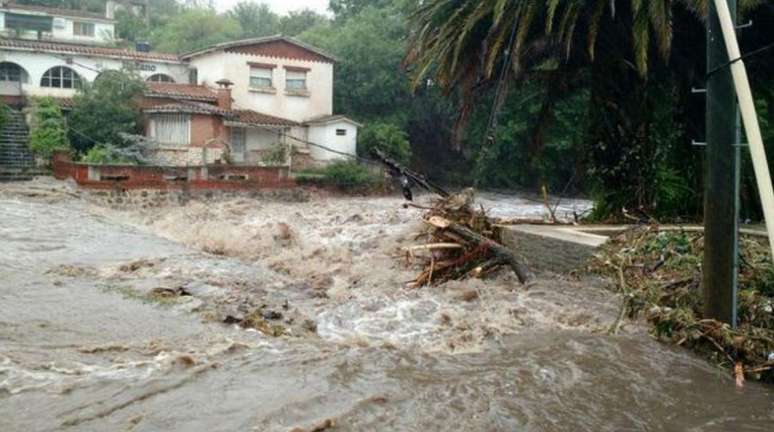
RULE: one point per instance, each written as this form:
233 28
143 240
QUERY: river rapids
130 321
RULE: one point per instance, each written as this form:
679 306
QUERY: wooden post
719 200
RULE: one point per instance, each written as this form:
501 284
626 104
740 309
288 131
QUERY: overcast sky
280 6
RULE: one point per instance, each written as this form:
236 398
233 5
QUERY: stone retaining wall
149 198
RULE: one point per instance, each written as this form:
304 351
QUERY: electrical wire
738 59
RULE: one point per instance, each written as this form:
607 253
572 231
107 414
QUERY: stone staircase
16 160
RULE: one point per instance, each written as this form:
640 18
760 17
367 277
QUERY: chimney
224 94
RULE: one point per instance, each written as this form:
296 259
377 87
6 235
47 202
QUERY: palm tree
465 46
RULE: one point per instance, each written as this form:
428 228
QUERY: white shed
337 132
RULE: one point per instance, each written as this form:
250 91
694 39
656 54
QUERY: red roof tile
188 107
251 117
71 48
183 91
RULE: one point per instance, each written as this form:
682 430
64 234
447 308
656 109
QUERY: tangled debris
659 274
460 243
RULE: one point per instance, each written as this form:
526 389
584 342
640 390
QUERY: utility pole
720 214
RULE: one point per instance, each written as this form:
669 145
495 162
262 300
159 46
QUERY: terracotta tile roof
190 108
57 11
71 48
183 91
251 117
270 46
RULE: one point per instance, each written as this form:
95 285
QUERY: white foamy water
85 345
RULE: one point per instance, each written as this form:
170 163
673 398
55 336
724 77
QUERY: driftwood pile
460 242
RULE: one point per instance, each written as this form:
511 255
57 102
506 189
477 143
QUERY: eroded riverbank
126 320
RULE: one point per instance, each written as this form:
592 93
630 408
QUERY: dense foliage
105 110
593 96
388 138
47 129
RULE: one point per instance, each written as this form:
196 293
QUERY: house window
238 146
261 77
171 129
163 78
341 132
193 76
295 80
12 72
61 77
83 29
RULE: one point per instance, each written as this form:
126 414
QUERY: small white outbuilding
337 132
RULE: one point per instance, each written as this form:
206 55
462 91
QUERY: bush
386 137
105 155
105 110
344 174
48 128
276 155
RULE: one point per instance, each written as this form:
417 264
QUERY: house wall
235 67
325 134
208 143
104 30
37 63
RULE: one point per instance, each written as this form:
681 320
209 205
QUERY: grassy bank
659 275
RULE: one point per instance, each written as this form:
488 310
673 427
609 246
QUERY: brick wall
202 177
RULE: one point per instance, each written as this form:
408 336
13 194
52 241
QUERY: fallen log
498 250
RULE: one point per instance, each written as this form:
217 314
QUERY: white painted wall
37 63
325 134
234 67
104 31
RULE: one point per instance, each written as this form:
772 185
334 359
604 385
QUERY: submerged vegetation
658 274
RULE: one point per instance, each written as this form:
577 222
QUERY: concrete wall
37 63
277 102
551 248
326 135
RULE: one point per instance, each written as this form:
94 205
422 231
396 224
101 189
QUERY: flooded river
127 321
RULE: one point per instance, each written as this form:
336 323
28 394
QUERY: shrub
103 154
276 155
386 137
105 110
3 114
343 174
48 128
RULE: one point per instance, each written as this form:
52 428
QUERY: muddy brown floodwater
129 321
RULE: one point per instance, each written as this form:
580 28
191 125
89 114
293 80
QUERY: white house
281 90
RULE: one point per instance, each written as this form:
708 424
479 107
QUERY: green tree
194 29
255 19
106 109
346 9
48 132
369 82
297 22
386 137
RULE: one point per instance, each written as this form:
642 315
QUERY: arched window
61 77
12 72
160 78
